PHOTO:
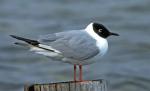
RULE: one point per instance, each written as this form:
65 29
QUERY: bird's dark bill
115 34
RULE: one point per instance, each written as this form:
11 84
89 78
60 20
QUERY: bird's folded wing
77 45
47 38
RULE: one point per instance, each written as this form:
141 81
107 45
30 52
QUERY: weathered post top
94 85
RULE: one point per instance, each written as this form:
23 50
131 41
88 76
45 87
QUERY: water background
126 66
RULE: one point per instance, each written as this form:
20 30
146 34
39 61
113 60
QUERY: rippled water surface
126 65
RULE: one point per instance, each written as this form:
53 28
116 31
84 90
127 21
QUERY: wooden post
94 85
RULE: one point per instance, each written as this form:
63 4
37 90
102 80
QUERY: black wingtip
16 37
16 43
12 36
29 41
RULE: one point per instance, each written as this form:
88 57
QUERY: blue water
126 66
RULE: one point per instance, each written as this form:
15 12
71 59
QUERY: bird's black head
102 31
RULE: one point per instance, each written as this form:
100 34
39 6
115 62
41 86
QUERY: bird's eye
100 30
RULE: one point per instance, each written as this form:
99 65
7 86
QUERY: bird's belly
78 62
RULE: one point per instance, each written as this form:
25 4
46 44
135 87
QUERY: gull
76 47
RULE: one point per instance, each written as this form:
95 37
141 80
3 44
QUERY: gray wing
77 45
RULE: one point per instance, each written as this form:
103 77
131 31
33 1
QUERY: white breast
103 46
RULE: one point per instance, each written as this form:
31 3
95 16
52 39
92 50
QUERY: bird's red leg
75 72
80 73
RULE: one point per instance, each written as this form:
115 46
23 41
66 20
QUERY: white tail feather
39 50
49 47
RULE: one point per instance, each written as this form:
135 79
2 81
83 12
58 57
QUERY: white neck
101 43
